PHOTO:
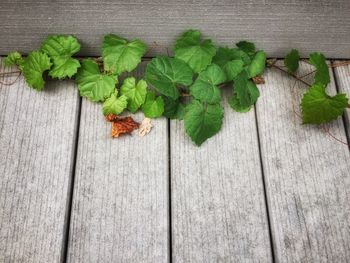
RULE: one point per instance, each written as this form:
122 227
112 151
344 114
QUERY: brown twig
13 82
9 73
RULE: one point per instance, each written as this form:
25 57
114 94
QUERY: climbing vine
186 86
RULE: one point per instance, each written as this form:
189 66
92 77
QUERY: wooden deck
265 189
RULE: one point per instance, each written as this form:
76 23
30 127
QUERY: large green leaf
114 104
136 93
153 106
257 66
61 49
318 107
205 87
166 74
202 121
119 55
35 64
92 84
322 73
291 60
197 53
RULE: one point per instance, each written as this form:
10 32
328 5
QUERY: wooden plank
37 135
218 204
342 75
275 25
307 175
120 205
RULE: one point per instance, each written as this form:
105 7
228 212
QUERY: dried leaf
145 127
123 126
112 117
259 80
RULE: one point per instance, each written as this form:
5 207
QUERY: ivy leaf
205 87
251 91
114 104
165 74
291 61
35 64
202 121
153 106
318 107
225 54
322 73
61 49
173 109
197 53
136 93
247 47
14 58
119 55
257 65
245 91
92 84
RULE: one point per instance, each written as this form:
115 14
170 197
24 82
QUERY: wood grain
120 205
217 197
342 75
37 135
275 25
307 175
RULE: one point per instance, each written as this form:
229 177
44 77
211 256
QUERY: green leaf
61 49
291 61
136 93
119 55
92 84
231 61
153 106
322 73
114 104
202 121
245 92
14 58
35 64
205 87
318 107
173 109
257 66
247 47
237 106
166 74
197 53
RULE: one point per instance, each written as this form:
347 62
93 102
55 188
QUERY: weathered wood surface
120 206
217 196
37 133
275 25
342 75
307 175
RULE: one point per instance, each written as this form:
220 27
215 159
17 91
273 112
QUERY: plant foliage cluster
186 86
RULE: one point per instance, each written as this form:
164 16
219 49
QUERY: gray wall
275 25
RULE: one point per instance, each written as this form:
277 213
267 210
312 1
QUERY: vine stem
9 73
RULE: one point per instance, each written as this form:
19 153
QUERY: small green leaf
231 61
173 109
202 121
165 74
114 104
322 73
153 106
35 64
119 55
318 107
292 60
205 87
257 66
14 58
245 91
237 106
247 47
197 53
136 93
61 49
92 84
